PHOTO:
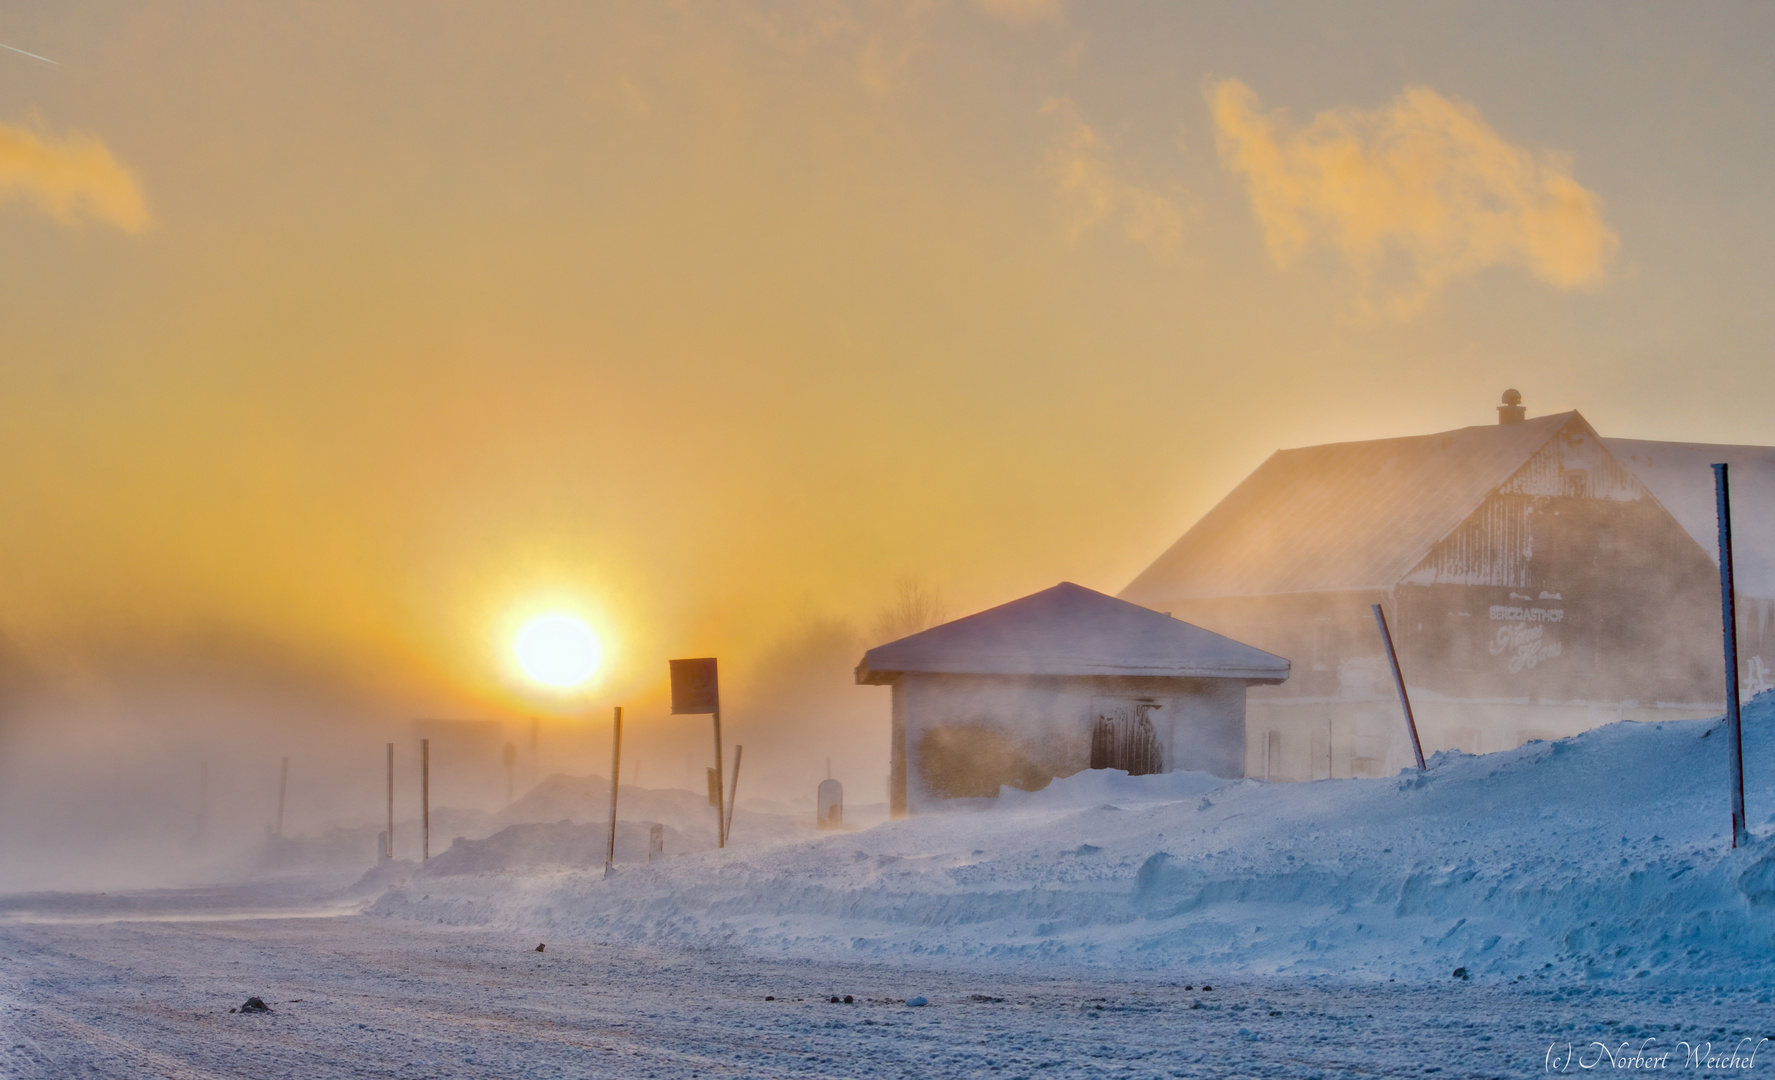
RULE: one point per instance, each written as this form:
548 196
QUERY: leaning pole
1729 626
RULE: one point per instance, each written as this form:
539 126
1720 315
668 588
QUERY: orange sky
343 334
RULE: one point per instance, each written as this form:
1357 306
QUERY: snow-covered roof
1680 475
1071 630
1355 515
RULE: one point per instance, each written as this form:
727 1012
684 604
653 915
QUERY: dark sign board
695 689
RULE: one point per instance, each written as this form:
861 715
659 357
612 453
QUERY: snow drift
1605 856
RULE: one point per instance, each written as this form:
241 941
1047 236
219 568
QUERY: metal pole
720 788
424 799
283 783
1380 620
1729 623
727 829
615 773
390 851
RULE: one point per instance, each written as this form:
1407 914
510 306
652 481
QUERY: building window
1123 738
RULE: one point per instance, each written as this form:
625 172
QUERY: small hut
1062 680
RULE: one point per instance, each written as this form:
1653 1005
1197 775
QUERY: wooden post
1411 723
1729 622
727 826
720 787
203 800
615 774
390 846
283 782
424 799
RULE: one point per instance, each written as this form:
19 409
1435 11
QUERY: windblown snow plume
1604 856
1411 195
72 180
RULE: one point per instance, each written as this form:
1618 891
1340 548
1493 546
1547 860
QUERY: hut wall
965 736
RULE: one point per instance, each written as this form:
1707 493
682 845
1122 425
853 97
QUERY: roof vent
1511 411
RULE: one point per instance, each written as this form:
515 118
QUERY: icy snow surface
1602 856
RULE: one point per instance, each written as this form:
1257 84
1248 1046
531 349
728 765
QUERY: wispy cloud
1411 195
72 180
1025 10
1095 194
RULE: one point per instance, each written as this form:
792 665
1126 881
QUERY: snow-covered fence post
615 772
1411 724
1729 623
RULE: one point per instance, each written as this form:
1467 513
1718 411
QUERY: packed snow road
353 996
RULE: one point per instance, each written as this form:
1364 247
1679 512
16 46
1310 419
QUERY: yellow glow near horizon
558 650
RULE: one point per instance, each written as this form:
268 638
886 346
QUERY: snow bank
564 843
1604 856
587 798
1094 787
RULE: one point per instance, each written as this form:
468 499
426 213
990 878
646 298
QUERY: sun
558 650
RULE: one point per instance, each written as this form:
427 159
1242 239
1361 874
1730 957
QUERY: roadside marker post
283 784
733 792
424 800
615 774
1729 625
388 847
1417 748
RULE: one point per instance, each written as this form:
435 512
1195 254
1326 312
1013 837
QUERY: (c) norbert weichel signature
1741 1054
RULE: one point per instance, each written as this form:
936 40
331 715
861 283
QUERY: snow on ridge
1603 856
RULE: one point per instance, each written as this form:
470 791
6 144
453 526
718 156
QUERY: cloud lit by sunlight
1411 195
1093 192
71 180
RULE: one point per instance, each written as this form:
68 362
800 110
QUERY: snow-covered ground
1601 857
363 997
1584 889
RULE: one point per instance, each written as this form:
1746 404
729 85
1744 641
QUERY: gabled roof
1071 630
1356 515
1680 476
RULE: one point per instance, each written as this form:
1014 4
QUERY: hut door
1122 736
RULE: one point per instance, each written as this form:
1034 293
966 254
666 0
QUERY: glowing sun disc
557 650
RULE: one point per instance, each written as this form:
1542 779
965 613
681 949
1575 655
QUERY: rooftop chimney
1511 411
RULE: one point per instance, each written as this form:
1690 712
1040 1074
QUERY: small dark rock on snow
539 948
1460 973
848 1000
254 1004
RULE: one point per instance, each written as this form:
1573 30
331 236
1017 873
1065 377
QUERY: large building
1539 579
